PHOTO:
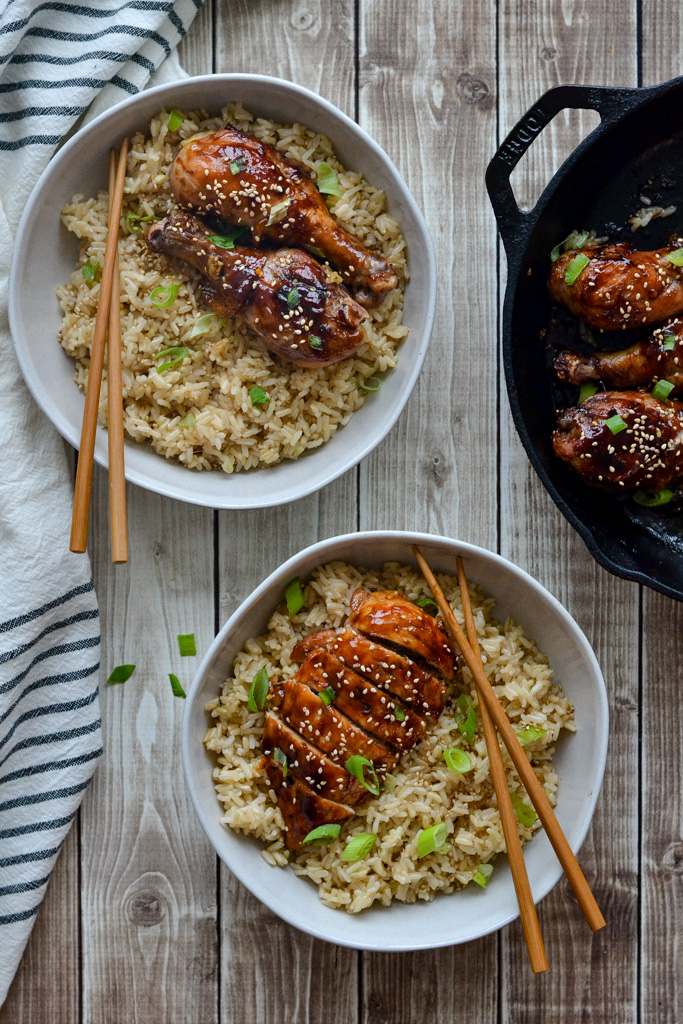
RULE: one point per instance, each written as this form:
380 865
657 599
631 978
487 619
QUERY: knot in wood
548 53
146 909
473 90
303 20
673 859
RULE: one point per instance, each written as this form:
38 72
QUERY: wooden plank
541 44
427 94
662 723
298 980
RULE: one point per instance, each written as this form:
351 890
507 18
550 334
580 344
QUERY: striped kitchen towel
57 59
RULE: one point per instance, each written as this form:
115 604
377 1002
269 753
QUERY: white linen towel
56 58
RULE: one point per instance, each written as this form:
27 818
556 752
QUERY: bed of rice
200 412
421 790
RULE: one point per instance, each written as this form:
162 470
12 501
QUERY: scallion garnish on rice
359 847
530 734
662 390
482 874
328 695
294 596
204 324
371 384
322 835
175 120
669 343
428 604
575 266
121 674
616 424
431 839
173 355
258 690
328 183
277 212
525 815
651 499
91 272
164 295
175 685
457 760
281 759
676 257
134 221
364 770
574 240
258 396
186 645
188 421
465 716
587 390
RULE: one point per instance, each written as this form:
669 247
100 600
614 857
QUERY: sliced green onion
227 241
465 717
188 421
669 343
358 766
676 257
175 120
587 390
91 272
258 691
328 695
651 499
175 686
258 396
281 760
238 164
616 424
328 183
575 266
293 298
482 874
371 384
323 834
164 296
315 342
359 847
427 603
530 734
175 355
575 240
203 325
662 390
134 221
457 760
431 839
525 815
294 596
399 714
278 212
186 645
121 673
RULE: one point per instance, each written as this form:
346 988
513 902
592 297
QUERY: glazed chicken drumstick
620 287
647 452
658 357
281 293
245 181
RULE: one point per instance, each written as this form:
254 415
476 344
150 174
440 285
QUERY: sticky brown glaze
621 287
387 669
648 453
245 181
301 807
646 361
388 615
281 294
364 703
330 730
315 768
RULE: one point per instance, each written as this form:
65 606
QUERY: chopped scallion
328 183
575 266
328 695
651 499
203 325
530 734
457 760
91 272
281 760
662 390
399 714
364 770
525 815
465 717
669 343
323 834
174 356
359 847
482 874
121 673
293 298
616 424
575 240
186 645
175 686
315 342
238 164
428 603
294 596
277 212
175 120
188 421
676 257
134 221
164 296
431 839
371 384
227 240
587 390
258 691
258 396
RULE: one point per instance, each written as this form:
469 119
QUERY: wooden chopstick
79 520
527 910
118 524
563 850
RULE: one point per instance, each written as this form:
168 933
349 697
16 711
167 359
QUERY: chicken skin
647 452
388 615
659 357
245 181
281 294
621 288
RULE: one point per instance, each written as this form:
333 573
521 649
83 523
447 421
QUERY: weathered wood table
141 923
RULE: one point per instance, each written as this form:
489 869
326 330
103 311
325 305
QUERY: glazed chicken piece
659 357
302 808
388 615
391 671
621 287
281 294
362 702
647 453
245 181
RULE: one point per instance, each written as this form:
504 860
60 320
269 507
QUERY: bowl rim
404 537
310 483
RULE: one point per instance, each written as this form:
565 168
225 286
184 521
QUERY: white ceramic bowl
580 758
45 256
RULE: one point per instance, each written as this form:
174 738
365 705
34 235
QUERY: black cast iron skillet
636 150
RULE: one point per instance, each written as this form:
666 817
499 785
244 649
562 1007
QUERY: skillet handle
610 105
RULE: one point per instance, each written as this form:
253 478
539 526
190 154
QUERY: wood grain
541 44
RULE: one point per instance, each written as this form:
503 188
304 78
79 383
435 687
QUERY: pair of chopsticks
108 319
492 714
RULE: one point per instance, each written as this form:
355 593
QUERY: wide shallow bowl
580 759
45 255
